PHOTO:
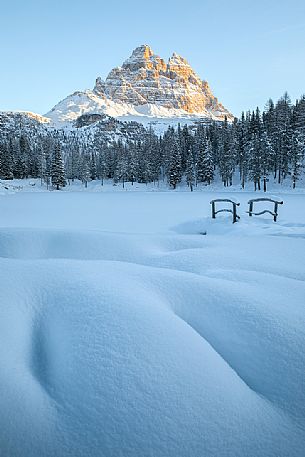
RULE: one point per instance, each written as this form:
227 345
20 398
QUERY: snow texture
124 331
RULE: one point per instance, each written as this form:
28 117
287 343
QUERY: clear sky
248 51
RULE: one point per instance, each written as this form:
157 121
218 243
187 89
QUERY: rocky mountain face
108 128
145 78
148 90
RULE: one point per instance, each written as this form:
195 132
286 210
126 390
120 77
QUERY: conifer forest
256 148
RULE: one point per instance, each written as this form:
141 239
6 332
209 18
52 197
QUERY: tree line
254 148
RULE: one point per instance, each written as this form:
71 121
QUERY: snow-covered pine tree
93 165
241 150
283 125
102 166
18 162
147 157
266 155
24 147
5 162
186 142
190 170
200 146
57 169
226 160
42 163
297 151
121 170
85 169
208 163
174 170
255 149
154 157
132 161
269 123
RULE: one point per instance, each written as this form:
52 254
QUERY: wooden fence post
234 213
275 211
213 210
251 208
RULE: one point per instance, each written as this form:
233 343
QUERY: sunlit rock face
145 89
145 78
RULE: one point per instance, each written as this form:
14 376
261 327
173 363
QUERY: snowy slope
14 122
125 332
87 102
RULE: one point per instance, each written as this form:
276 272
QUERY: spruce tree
174 165
208 163
190 171
200 159
58 171
297 158
226 160
85 170
5 162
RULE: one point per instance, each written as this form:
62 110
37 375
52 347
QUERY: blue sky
247 50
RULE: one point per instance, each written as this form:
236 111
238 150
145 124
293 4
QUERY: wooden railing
233 211
273 213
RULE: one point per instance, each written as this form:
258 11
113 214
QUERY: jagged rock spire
145 78
143 51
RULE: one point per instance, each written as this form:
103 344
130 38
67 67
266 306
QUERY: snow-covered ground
125 331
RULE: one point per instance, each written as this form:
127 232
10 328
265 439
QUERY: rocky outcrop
145 78
110 128
88 119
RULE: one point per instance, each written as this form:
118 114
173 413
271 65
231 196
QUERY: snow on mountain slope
16 120
79 103
137 336
109 128
86 102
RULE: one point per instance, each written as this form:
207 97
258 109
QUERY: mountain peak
177 59
143 51
141 57
146 79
